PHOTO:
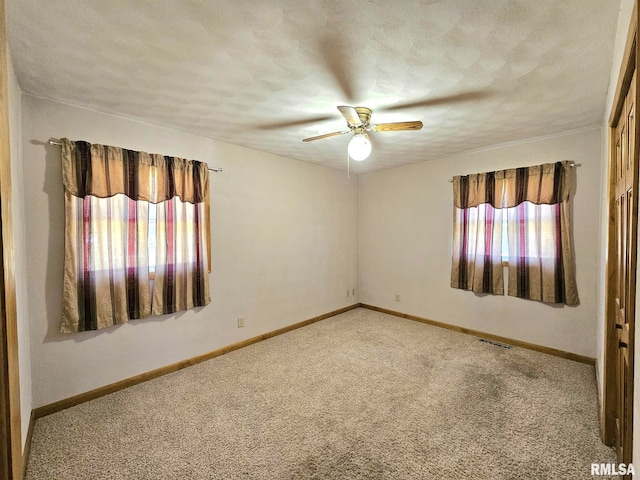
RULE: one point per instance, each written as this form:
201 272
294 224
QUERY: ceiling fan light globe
359 147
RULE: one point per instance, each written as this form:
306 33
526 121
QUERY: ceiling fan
336 53
359 123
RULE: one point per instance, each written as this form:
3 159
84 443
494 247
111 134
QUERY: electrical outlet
353 292
240 322
397 297
347 292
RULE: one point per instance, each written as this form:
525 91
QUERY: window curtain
108 190
541 258
536 201
477 236
181 279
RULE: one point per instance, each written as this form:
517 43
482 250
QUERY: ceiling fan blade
397 126
293 123
335 54
351 115
326 135
432 102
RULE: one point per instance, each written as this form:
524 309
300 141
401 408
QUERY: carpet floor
362 395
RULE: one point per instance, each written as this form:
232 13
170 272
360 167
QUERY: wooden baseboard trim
600 403
143 377
27 443
516 343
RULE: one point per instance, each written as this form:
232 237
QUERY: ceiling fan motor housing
365 115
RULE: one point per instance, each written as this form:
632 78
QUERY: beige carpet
362 395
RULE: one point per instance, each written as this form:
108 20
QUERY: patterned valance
104 171
511 187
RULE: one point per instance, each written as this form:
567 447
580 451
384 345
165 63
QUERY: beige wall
18 214
406 237
284 250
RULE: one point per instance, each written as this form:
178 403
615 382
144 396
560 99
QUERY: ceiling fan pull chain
348 167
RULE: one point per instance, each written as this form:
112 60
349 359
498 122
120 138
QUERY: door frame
10 421
610 388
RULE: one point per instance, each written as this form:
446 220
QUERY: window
131 217
505 242
520 217
539 218
152 239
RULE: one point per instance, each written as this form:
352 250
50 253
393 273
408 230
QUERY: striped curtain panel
541 258
181 275
477 234
536 202
109 192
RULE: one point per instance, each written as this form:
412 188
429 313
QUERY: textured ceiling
267 74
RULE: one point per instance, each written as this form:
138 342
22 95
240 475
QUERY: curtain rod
55 141
572 164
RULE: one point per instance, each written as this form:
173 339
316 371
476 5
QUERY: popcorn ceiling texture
228 70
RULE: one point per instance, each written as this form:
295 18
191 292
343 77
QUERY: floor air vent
497 344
